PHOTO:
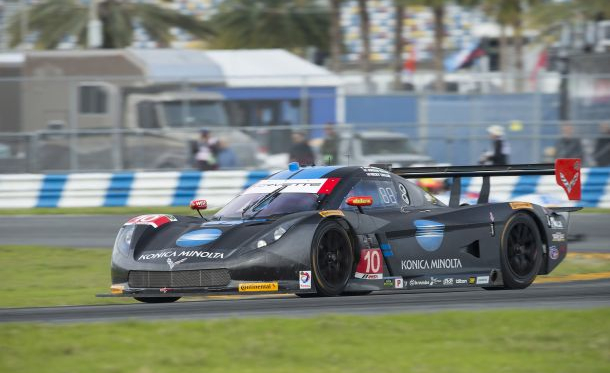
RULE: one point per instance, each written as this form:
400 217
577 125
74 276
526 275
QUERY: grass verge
507 341
48 276
173 210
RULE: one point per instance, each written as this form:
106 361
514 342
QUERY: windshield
387 146
283 203
194 113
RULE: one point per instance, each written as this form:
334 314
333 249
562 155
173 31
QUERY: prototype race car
337 230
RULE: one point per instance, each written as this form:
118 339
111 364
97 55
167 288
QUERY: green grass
582 263
525 341
47 276
175 210
594 210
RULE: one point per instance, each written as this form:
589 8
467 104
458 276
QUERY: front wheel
521 252
156 299
332 258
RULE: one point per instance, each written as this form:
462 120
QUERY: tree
365 35
54 20
397 61
271 24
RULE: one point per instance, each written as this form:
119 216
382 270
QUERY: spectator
329 146
301 151
226 156
500 148
602 146
568 146
205 151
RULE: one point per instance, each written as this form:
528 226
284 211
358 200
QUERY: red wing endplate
567 175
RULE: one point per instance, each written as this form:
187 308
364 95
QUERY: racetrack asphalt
586 294
99 231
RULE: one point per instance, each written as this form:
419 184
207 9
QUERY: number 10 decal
370 266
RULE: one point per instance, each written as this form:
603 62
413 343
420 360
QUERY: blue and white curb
218 187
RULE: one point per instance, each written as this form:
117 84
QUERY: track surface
99 231
552 296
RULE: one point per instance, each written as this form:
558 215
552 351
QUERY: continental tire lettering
260 286
412 264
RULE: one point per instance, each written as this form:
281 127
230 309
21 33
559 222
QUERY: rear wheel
156 299
332 258
521 252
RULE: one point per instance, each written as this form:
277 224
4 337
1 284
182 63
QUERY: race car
337 230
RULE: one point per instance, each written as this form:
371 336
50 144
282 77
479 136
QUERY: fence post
73 136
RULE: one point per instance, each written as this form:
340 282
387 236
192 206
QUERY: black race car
341 230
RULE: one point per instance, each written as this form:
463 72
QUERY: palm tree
397 63
365 36
336 39
54 20
290 24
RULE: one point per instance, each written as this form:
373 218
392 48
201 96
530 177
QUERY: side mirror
199 204
360 201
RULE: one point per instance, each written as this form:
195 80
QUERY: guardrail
218 187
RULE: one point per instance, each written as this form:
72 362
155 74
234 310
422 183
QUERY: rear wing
566 171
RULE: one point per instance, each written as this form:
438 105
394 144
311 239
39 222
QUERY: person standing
301 151
329 146
205 156
601 152
568 146
500 150
226 156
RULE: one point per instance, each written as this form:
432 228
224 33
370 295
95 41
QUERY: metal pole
94 27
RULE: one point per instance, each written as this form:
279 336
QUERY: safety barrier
218 187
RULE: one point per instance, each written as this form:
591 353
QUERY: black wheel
521 252
332 258
156 300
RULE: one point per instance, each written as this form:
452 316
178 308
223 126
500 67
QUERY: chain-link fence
55 121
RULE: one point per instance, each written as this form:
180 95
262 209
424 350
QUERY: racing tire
156 299
520 252
332 258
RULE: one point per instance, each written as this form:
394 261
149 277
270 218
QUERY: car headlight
271 237
123 239
279 232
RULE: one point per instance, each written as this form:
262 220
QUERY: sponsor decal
154 221
165 290
198 237
398 283
460 281
520 205
568 184
360 201
492 225
375 172
172 264
558 237
327 213
429 234
369 267
304 279
553 252
430 264
434 281
186 254
482 280
388 283
319 186
472 280
413 283
258 286
448 282
555 223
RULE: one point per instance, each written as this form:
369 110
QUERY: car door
429 238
